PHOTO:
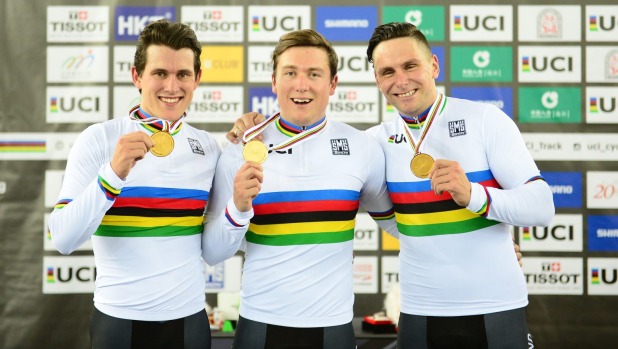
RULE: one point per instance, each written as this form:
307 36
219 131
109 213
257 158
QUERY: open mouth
301 100
170 99
407 94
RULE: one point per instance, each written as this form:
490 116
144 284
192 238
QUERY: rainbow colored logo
255 24
526 234
525 63
595 276
594 108
592 24
50 275
457 23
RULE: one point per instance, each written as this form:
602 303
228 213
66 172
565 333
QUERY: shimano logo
346 23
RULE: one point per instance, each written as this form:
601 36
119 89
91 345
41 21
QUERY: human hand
247 185
242 124
131 148
446 175
518 254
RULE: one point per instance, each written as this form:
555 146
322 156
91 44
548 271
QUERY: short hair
395 30
306 38
171 34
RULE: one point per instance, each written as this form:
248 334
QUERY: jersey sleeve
225 226
375 198
89 189
524 198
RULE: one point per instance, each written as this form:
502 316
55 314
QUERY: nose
170 84
301 84
401 79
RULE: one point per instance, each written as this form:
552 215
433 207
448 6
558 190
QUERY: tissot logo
77 23
215 23
547 275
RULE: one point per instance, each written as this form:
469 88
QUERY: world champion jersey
298 245
455 260
145 230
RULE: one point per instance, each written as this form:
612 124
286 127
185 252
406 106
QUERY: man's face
167 82
303 85
405 74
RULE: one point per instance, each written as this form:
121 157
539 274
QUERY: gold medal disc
255 151
163 144
421 164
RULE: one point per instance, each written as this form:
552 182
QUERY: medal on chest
421 163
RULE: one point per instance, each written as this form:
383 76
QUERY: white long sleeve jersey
455 260
298 254
145 230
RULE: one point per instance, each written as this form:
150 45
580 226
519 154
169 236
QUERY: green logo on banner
429 19
550 105
481 63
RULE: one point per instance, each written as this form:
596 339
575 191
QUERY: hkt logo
470 23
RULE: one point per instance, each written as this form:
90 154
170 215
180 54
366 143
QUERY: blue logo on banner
566 187
263 101
346 23
130 20
439 52
603 233
501 97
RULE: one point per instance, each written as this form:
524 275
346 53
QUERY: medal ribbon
435 108
154 124
296 139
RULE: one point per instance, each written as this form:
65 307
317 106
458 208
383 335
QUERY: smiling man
137 186
297 227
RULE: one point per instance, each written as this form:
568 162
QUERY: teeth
170 100
296 100
407 94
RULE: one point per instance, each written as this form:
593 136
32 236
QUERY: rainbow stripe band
303 217
155 212
110 192
420 212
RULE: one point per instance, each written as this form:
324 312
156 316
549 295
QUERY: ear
198 78
273 83
436 67
137 80
333 84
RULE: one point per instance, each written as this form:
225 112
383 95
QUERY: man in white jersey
138 186
460 178
298 232
459 174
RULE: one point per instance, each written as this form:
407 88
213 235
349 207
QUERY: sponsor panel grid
544 66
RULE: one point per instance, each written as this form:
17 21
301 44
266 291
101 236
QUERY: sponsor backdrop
552 67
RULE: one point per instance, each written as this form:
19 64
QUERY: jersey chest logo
457 128
340 146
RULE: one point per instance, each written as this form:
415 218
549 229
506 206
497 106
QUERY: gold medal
255 151
163 144
421 164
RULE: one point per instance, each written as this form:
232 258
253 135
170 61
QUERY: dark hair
170 34
306 38
395 30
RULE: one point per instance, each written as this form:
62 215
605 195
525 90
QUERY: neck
299 128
